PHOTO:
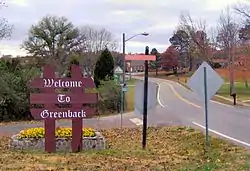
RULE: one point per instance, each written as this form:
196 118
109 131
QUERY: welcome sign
73 103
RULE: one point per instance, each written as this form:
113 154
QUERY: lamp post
124 40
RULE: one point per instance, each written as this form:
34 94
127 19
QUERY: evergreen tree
104 68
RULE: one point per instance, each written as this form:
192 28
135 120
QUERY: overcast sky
157 17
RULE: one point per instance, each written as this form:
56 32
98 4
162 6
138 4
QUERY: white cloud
21 3
214 5
159 17
13 50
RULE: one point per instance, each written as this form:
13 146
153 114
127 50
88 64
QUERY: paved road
227 121
178 106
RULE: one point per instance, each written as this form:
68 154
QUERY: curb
227 99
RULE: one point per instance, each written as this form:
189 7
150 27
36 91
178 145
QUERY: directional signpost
205 82
145 58
118 73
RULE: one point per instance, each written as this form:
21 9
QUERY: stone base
62 144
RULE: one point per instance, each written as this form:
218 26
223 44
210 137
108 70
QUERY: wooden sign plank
63 113
81 97
77 123
140 57
49 123
62 83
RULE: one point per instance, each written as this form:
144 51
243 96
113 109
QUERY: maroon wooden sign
76 96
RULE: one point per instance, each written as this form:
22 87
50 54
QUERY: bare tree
5 27
244 36
96 41
243 9
197 33
227 40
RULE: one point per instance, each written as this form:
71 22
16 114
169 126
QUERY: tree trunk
246 83
156 71
190 63
175 70
245 79
231 73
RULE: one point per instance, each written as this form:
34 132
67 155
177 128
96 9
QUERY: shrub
110 94
216 65
14 92
60 133
104 67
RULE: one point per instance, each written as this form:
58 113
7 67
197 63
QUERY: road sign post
145 58
145 102
145 106
206 105
124 89
205 89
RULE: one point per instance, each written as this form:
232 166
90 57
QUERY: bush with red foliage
169 58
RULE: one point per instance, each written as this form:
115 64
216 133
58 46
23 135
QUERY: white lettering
67 84
44 114
59 114
69 114
75 114
83 114
55 115
79 84
56 84
48 82
62 84
62 99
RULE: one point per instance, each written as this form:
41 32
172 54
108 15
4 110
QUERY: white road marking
136 121
223 135
158 95
223 104
213 101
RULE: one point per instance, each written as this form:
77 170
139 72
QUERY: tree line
55 40
194 41
58 41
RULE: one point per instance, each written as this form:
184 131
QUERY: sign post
206 107
205 89
146 58
68 104
124 89
145 102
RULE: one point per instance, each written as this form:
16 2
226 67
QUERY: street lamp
124 40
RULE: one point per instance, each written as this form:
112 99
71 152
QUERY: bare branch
5 27
242 9
197 33
96 41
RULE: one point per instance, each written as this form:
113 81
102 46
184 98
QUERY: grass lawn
129 96
243 93
131 82
168 148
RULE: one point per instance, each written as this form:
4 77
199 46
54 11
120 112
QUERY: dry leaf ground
168 148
